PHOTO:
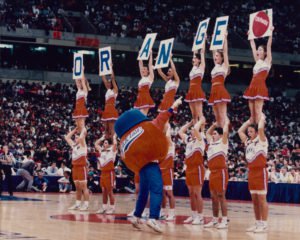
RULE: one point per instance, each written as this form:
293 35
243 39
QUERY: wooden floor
49 219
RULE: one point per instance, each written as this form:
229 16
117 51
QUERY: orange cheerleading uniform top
218 91
216 155
110 112
145 143
79 156
195 93
256 153
107 159
144 99
169 96
168 163
258 88
80 110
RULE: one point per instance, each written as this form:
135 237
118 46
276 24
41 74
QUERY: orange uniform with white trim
256 156
258 88
169 95
216 156
110 111
80 110
135 149
79 162
194 162
144 99
218 91
106 162
167 168
195 93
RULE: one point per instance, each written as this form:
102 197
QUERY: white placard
217 41
78 66
164 53
105 61
199 40
260 24
144 52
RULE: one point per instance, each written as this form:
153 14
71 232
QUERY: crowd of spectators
179 19
36 116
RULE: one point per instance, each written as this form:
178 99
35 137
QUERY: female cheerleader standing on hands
172 83
144 101
257 92
195 96
110 114
80 112
195 147
219 96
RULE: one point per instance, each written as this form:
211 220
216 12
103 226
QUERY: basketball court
45 216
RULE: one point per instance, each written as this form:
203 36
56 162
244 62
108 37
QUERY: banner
149 40
105 61
78 66
164 53
199 40
260 24
219 33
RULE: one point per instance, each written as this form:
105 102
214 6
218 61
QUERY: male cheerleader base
143 146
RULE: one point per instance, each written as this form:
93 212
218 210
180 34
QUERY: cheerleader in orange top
143 146
256 145
218 179
195 147
106 160
144 101
219 96
80 112
110 114
167 171
196 96
79 170
257 92
172 83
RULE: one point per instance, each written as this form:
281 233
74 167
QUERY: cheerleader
219 96
195 171
256 145
144 101
110 114
80 112
167 171
172 83
257 92
196 96
218 179
106 161
79 170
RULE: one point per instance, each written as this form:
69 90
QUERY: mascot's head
128 120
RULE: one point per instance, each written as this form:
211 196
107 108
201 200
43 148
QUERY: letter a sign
260 24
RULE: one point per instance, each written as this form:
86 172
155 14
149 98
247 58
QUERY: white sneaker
136 222
211 224
198 221
222 225
110 211
101 211
152 223
261 229
170 218
252 229
84 207
130 214
74 207
145 214
189 220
